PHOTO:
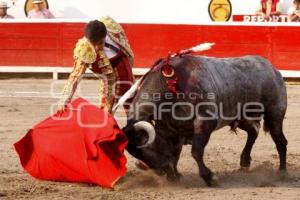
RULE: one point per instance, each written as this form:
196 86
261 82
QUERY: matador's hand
61 109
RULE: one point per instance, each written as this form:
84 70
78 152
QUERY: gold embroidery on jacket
84 51
117 34
85 55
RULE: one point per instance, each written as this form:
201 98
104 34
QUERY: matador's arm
84 55
74 78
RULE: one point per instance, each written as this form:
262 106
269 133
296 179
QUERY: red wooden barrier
51 44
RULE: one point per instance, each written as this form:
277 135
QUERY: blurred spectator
294 12
3 11
39 11
269 8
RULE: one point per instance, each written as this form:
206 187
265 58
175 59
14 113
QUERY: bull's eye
141 138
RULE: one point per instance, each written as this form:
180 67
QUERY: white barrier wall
141 11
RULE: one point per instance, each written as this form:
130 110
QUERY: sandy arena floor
23 103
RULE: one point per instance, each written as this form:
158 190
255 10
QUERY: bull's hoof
244 169
211 181
173 177
214 181
160 172
283 175
245 161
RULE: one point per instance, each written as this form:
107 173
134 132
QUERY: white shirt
40 14
7 17
109 52
292 10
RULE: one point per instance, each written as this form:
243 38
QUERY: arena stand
47 45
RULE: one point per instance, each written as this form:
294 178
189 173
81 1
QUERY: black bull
235 92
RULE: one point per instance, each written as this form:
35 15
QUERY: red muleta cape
86 147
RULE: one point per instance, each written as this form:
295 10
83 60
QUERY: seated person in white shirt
294 12
39 11
3 11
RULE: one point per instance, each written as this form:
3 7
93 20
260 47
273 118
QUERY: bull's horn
146 126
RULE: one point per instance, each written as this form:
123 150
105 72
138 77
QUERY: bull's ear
153 123
152 120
